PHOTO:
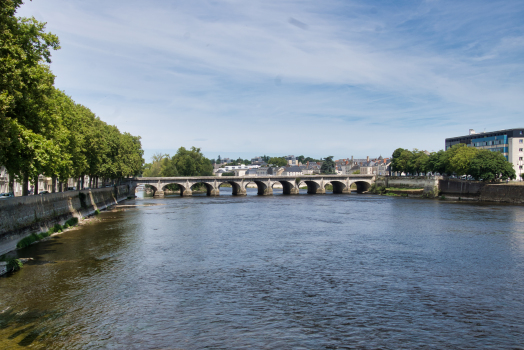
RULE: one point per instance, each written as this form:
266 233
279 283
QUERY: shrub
27 241
97 212
14 264
71 222
66 225
57 228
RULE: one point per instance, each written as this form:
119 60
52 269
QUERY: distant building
291 160
509 142
292 171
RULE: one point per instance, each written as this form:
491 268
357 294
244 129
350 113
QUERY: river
277 272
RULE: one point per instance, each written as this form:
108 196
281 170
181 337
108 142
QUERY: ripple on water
301 272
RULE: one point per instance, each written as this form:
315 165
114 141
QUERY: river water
279 272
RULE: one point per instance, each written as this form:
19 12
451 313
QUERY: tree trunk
12 183
53 185
83 178
78 183
25 185
36 186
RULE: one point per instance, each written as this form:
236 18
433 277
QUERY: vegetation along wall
21 216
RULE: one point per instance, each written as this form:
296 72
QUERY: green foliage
228 174
491 166
458 159
43 130
277 161
27 241
14 264
97 212
375 189
72 221
356 172
172 187
184 163
328 166
297 180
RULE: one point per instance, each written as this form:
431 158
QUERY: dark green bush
72 222
57 228
97 212
27 241
14 264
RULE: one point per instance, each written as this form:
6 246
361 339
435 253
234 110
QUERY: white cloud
291 77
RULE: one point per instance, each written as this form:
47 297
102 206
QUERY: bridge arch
288 186
313 187
238 189
262 187
210 189
362 186
339 187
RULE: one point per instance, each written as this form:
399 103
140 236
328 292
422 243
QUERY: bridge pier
239 192
158 194
213 192
185 192
268 191
293 191
319 190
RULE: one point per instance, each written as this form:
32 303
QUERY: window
520 158
520 149
520 141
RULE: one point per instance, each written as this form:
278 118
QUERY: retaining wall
21 216
461 188
502 193
428 183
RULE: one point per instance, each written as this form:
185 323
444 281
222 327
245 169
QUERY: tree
328 166
437 162
26 84
277 161
490 166
401 161
459 159
192 162
418 162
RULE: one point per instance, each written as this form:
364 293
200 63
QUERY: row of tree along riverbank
43 131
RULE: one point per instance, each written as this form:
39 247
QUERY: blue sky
319 78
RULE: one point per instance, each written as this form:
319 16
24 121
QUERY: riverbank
22 216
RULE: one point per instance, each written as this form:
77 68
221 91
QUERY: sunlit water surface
279 272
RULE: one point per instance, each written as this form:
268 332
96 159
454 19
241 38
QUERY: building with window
509 142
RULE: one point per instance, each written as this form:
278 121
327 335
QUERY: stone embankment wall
430 184
21 216
480 191
502 193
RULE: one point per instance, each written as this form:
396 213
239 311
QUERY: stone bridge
290 184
